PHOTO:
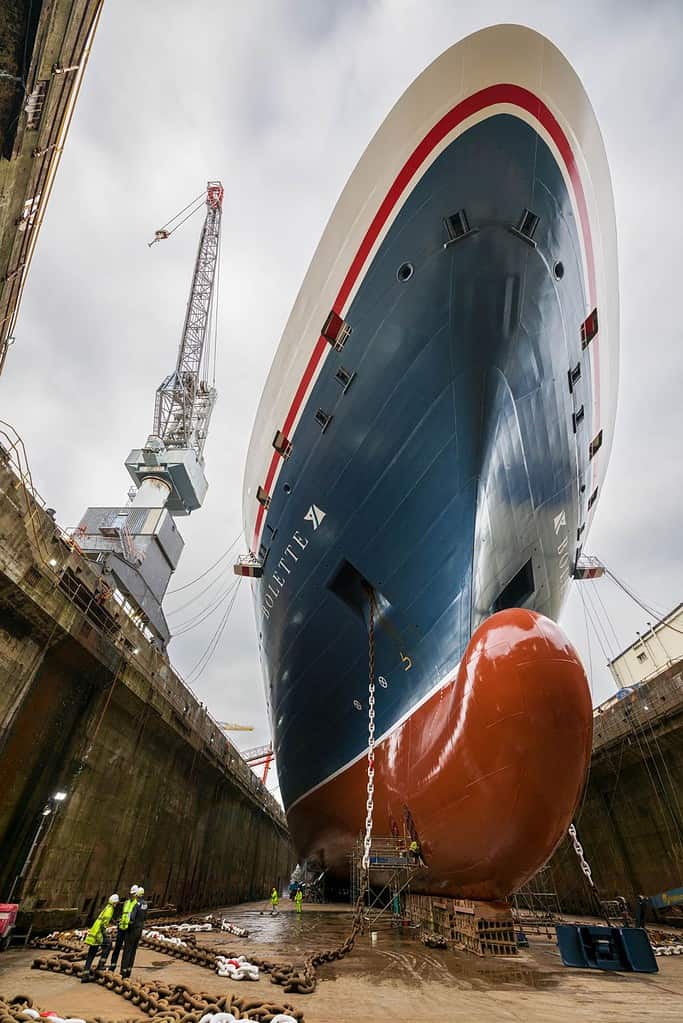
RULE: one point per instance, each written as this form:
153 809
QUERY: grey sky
279 99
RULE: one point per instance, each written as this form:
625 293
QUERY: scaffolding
390 873
536 905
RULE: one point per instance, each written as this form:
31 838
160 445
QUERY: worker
416 853
298 899
138 916
97 936
123 926
274 899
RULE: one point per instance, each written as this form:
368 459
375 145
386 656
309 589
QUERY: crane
136 549
186 397
260 756
229 726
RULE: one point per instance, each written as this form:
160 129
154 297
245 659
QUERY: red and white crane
260 756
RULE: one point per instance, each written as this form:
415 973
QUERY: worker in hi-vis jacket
123 926
97 938
274 899
133 934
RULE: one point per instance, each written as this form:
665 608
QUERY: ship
425 464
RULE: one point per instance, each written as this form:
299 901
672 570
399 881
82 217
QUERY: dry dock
392 978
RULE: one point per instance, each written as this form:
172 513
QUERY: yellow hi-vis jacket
125 913
94 935
274 897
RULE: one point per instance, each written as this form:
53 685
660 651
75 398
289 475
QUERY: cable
205 613
628 588
588 640
601 636
191 203
177 610
203 661
206 572
641 603
190 214
199 668
596 593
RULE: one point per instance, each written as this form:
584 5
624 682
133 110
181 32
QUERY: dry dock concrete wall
155 792
631 820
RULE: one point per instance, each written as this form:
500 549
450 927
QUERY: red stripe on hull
491 766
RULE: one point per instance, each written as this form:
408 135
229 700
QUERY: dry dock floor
394 978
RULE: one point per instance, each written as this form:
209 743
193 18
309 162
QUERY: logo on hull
314 515
559 521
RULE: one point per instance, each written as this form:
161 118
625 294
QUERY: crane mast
137 548
185 399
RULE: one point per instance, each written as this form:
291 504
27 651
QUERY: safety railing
649 702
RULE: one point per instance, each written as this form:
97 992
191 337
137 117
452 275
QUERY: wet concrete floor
388 978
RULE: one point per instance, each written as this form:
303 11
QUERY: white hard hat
134 889
114 898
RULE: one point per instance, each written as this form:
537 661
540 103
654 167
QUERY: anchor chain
370 798
164 1003
578 849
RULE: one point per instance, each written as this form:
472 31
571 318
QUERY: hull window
336 331
589 329
595 445
518 590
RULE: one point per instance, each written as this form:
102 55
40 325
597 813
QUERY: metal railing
649 702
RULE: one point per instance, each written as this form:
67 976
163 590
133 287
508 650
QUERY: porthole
558 270
405 272
287 489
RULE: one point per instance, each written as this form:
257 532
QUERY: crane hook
159 236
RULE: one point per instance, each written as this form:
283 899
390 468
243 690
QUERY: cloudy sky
279 99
